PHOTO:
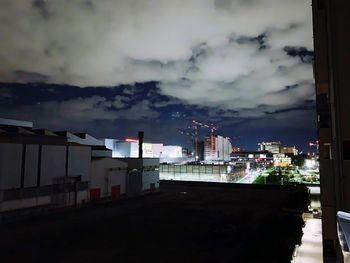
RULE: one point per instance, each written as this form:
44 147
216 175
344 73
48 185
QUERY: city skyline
114 68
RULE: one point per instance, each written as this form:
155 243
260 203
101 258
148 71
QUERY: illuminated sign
131 140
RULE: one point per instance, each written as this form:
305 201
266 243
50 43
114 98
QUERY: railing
344 234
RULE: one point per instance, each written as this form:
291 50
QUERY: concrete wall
10 165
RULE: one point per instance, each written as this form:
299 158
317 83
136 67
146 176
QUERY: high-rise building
198 150
332 79
217 148
291 150
273 147
236 149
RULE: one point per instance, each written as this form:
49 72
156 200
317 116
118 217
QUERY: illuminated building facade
281 160
129 149
217 148
273 147
236 149
291 150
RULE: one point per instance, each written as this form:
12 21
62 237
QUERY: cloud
120 102
79 111
234 55
110 42
291 119
141 110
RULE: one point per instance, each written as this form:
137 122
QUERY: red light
131 140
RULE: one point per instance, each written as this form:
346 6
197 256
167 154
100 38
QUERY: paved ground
311 249
183 223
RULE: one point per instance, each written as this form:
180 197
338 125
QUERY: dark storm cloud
303 53
259 40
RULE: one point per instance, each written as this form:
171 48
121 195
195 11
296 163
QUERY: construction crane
196 125
193 132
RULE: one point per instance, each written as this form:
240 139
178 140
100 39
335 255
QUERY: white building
130 148
108 178
171 151
217 148
273 147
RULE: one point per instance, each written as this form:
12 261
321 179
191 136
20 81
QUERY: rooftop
184 222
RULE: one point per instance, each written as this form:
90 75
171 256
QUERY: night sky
112 68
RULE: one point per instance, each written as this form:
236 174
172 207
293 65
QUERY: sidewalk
310 250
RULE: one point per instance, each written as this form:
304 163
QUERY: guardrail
344 234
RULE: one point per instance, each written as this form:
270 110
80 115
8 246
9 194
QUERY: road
250 177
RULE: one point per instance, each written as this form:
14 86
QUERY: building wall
117 177
273 147
101 153
24 203
10 165
170 151
31 165
217 148
157 149
84 140
79 161
53 163
130 149
106 172
210 148
150 174
149 168
227 149
332 75
281 160
289 150
125 149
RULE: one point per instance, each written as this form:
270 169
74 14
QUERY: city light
131 140
310 163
